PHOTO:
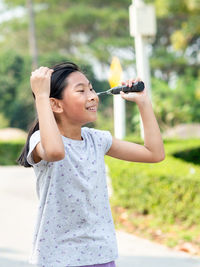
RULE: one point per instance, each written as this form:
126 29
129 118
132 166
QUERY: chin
95 118
92 120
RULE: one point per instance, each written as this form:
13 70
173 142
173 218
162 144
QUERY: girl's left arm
153 149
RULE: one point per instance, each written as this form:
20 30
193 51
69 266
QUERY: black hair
58 84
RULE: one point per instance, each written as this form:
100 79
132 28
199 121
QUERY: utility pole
143 28
119 107
32 36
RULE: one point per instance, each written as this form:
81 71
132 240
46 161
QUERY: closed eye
82 90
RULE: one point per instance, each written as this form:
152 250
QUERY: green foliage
96 28
17 103
81 30
168 190
89 26
185 14
9 151
3 121
177 105
190 155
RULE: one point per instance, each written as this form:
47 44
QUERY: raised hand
40 81
137 97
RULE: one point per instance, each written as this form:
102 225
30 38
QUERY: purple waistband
108 264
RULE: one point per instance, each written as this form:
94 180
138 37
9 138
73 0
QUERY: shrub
9 151
169 190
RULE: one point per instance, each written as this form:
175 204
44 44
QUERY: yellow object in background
116 72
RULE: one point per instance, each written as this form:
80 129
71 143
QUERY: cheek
74 106
77 109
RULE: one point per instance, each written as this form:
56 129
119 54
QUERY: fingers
129 96
132 96
42 71
130 82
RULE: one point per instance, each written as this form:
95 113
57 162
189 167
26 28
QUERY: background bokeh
163 203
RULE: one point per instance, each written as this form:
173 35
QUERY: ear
56 105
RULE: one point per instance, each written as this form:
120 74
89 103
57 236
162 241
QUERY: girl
74 223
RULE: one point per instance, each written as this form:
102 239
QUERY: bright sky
6 15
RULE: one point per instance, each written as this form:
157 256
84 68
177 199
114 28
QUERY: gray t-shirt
74 225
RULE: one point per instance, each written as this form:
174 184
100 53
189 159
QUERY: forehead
76 78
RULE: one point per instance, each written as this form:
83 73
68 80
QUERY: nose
92 96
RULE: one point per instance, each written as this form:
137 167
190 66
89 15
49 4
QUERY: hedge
9 151
169 190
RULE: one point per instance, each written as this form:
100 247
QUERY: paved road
18 205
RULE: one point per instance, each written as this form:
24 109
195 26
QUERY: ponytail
22 160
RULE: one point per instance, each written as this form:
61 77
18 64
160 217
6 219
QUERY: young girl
74 223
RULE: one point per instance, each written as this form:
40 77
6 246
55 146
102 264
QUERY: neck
70 131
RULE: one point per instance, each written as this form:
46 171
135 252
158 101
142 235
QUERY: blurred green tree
75 27
90 30
97 28
16 103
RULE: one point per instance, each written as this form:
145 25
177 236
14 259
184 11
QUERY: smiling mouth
93 108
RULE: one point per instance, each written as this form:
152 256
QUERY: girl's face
80 101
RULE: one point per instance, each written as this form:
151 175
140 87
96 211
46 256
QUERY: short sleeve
104 139
34 140
107 141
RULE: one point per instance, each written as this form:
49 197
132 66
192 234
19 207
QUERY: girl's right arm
51 147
